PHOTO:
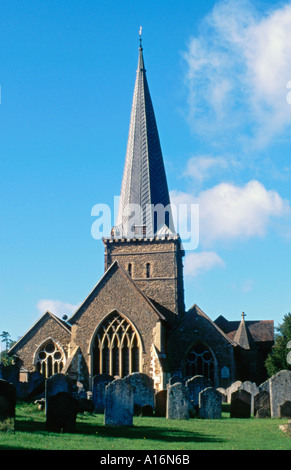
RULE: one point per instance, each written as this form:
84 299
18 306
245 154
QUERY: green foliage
277 359
4 358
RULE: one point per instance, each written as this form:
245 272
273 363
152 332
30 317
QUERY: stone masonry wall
165 285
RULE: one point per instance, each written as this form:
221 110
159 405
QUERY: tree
6 338
277 359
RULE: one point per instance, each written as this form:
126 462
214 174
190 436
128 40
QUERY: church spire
144 183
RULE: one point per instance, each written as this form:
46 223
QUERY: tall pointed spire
144 183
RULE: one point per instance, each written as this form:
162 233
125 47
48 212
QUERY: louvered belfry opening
116 348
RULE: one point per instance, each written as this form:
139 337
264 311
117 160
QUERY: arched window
50 359
116 349
148 270
199 361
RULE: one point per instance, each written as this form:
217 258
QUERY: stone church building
134 319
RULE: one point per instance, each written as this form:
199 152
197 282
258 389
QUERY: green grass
146 434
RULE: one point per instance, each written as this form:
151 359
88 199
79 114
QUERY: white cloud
198 263
230 212
201 168
237 72
57 307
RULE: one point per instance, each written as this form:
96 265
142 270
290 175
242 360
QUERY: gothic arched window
116 348
50 359
199 361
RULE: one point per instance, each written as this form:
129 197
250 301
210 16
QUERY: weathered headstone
285 409
61 407
222 391
232 388
161 403
119 403
177 402
262 405
143 389
195 385
253 389
100 382
240 405
210 404
7 406
280 391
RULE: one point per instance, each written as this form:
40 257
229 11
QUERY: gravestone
147 410
253 389
240 404
161 403
232 388
100 382
61 406
194 386
285 410
119 403
177 402
143 389
222 391
262 405
210 404
280 391
7 406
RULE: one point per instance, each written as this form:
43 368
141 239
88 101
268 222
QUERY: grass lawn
146 434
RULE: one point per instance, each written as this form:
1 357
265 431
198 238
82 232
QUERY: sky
219 74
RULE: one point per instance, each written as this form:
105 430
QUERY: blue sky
218 74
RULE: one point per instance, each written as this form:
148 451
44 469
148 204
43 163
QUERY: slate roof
260 330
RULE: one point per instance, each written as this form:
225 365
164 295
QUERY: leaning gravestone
100 382
119 403
177 402
240 404
210 404
7 406
143 390
61 407
280 391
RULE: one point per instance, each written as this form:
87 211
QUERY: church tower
144 241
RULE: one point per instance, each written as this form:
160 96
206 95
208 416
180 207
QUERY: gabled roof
114 266
260 330
195 310
144 179
47 315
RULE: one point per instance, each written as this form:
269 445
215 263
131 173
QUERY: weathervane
140 38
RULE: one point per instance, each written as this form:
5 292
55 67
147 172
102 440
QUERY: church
134 319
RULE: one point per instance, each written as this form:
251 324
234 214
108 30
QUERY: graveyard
128 414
